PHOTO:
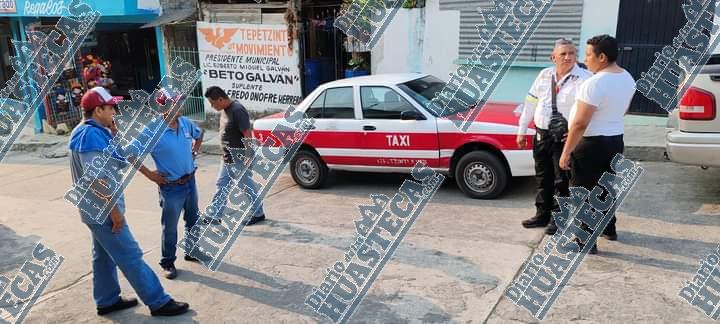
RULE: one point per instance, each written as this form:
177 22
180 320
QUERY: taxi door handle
369 127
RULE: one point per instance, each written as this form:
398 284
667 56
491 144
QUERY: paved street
452 267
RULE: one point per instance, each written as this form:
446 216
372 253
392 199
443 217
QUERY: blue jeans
112 251
223 180
174 198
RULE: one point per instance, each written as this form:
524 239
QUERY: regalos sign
44 7
253 63
7 6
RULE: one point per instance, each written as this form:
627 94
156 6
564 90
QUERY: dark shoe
535 222
551 229
120 305
610 234
191 259
170 272
594 249
171 308
256 220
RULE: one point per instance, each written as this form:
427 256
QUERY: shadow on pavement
130 317
681 247
362 184
14 249
674 194
451 265
650 262
290 295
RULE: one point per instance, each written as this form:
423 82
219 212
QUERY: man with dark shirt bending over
234 126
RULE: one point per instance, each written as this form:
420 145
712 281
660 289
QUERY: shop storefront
118 54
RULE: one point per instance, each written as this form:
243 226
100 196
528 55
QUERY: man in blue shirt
174 156
113 244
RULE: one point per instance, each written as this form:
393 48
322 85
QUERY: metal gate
194 104
325 49
644 27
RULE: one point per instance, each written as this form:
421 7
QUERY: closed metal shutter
563 20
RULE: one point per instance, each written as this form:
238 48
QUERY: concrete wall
599 17
419 40
408 45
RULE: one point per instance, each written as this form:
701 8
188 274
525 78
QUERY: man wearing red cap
113 244
174 158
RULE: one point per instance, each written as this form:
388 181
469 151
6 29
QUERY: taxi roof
377 79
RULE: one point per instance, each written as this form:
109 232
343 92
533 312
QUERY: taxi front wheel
308 170
481 175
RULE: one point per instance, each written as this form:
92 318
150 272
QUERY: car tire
492 171
308 170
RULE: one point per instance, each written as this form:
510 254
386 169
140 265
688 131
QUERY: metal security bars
194 105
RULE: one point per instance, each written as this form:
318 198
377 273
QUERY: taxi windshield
423 90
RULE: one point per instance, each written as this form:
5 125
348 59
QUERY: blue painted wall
517 81
105 7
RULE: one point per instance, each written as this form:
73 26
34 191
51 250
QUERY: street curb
645 153
31 147
210 149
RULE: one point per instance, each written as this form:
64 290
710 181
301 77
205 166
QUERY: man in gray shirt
234 127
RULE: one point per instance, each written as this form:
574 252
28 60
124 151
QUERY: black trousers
550 178
592 158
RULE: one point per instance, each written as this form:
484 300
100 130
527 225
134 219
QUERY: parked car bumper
693 148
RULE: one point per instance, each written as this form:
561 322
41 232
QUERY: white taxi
381 123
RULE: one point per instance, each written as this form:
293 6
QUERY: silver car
694 128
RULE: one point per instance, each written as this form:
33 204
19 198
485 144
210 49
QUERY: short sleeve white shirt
611 94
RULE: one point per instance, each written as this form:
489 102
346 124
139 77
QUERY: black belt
603 139
182 180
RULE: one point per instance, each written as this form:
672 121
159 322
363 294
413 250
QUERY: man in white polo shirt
554 89
597 119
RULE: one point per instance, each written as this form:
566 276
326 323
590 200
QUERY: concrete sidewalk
644 140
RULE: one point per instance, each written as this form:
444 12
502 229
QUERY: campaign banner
252 63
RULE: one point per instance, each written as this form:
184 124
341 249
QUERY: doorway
640 36
6 51
133 55
326 50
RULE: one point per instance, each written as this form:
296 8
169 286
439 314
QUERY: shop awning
170 18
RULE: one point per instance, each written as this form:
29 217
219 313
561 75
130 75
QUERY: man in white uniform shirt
596 121
567 77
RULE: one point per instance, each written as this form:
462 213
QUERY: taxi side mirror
411 115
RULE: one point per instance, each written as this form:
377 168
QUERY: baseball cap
165 95
98 96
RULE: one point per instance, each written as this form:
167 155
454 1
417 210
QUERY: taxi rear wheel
481 175
308 170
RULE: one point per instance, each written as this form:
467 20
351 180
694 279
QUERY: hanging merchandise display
63 103
94 70
81 73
